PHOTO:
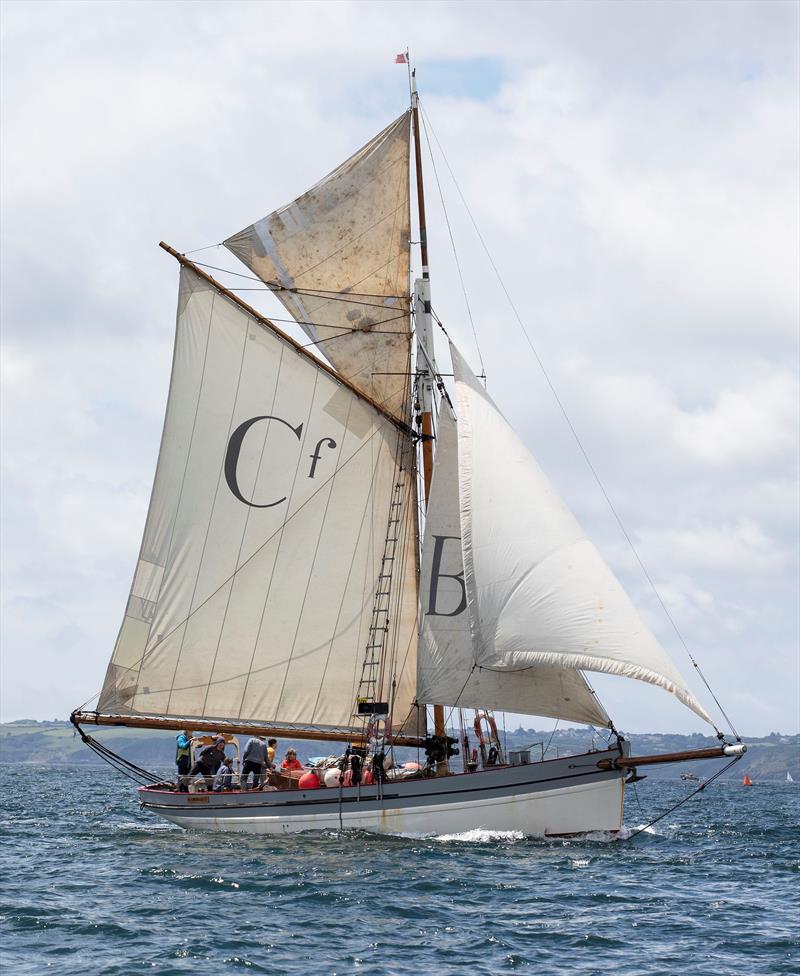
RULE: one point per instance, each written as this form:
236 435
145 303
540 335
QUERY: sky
633 171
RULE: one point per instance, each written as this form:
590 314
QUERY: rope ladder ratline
579 443
374 663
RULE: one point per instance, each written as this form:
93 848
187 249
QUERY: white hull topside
552 798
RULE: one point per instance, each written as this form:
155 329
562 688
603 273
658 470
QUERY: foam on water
480 835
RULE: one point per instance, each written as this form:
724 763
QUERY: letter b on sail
437 574
232 458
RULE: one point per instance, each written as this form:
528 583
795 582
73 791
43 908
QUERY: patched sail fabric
254 588
538 591
446 669
338 257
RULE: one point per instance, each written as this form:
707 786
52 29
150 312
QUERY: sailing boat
284 584
746 781
789 777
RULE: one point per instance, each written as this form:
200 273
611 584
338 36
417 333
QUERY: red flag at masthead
400 59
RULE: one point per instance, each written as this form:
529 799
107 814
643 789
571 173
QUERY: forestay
446 671
255 582
538 591
338 257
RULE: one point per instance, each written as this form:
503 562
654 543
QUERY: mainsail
255 583
338 259
447 672
538 591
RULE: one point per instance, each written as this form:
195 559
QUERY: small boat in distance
789 777
746 781
690 777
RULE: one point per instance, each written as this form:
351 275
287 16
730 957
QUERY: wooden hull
553 798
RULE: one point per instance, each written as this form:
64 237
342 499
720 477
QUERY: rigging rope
206 248
327 294
452 240
684 799
579 443
128 769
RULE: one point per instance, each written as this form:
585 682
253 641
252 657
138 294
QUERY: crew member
209 761
183 760
224 778
255 758
291 761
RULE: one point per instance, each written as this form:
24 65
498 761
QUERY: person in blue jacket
183 760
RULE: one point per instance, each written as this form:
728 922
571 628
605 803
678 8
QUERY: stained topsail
446 667
338 257
539 592
254 588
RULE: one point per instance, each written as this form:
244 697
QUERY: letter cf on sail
234 449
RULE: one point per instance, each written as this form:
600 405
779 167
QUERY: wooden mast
424 340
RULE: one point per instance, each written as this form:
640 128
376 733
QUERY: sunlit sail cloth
255 583
538 591
446 669
339 256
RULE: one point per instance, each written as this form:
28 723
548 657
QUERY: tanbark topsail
338 257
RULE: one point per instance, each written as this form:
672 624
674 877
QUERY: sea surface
91 884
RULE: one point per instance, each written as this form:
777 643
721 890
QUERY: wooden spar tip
234 728
719 752
269 324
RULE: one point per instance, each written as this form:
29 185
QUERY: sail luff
425 351
298 348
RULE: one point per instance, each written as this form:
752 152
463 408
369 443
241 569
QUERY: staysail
255 583
538 591
338 259
447 672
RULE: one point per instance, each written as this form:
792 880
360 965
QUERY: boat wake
481 835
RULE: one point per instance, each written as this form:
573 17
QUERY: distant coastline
768 758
